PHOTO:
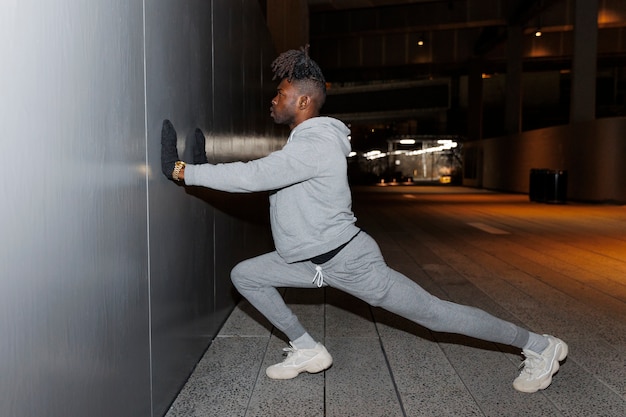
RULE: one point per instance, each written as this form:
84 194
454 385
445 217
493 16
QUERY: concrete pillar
513 103
583 100
288 22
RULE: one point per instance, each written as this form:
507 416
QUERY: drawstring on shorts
318 279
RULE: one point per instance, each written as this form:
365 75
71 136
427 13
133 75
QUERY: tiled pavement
559 269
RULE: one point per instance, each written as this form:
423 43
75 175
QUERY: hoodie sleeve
295 163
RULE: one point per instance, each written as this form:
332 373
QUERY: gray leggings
360 270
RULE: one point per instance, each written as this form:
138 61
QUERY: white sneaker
539 367
301 360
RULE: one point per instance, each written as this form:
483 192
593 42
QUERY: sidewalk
556 269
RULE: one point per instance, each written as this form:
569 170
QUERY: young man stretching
316 239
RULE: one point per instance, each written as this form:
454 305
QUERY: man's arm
295 163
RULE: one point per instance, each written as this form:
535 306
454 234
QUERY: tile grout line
391 376
260 373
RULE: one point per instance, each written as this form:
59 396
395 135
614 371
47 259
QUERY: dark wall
591 152
114 280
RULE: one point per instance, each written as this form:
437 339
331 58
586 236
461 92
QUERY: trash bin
556 187
547 186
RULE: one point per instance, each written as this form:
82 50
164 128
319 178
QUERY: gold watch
178 166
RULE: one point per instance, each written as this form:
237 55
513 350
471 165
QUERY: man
317 241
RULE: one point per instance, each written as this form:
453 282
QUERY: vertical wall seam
147 179
213 150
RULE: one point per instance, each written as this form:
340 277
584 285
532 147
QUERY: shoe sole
312 368
563 351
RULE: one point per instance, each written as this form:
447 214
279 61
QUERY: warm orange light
539 50
606 16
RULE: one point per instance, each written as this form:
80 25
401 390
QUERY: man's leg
257 279
360 270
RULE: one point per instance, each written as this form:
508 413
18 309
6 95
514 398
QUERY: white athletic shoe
538 368
301 360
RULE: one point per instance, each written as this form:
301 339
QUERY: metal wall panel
196 64
108 274
178 79
73 264
242 68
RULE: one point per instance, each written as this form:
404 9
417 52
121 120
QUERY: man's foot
301 360
538 368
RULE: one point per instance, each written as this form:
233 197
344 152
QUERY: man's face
285 104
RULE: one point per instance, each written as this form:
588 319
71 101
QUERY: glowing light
375 154
447 143
538 33
443 145
351 154
606 16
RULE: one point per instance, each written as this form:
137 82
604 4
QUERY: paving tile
223 380
602 361
245 320
578 393
301 396
359 383
347 316
488 375
427 382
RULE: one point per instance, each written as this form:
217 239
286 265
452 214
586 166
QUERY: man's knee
237 274
242 273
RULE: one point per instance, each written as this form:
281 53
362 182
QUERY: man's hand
169 153
199 152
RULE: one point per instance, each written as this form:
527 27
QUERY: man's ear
304 102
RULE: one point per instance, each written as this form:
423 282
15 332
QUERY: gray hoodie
310 199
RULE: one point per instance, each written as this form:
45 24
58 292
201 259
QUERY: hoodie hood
326 127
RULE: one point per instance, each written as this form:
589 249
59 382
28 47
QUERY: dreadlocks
297 66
